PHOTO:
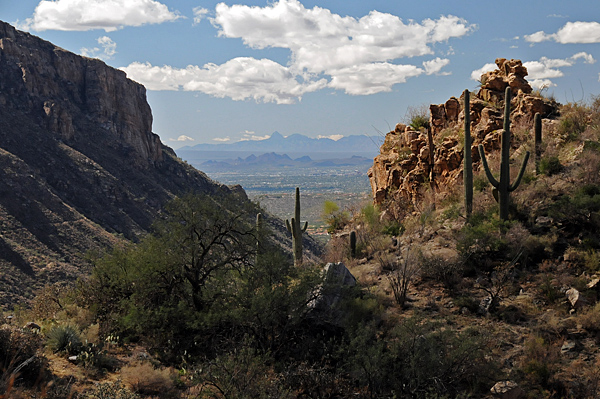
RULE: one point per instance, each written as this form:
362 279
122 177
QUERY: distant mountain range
274 160
295 144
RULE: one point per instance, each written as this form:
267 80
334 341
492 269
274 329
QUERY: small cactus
503 185
294 228
353 243
467 161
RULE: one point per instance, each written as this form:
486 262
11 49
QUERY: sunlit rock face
410 162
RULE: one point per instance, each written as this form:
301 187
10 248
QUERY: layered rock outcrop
409 158
58 87
80 169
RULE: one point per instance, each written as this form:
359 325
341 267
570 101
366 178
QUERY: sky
219 72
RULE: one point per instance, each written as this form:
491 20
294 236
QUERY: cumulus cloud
182 138
434 66
372 78
356 55
108 50
321 41
541 72
222 139
476 74
239 78
571 32
84 15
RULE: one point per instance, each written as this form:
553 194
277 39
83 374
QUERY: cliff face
408 159
80 168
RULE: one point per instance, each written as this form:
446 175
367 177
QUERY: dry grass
144 379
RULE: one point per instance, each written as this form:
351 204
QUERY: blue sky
233 70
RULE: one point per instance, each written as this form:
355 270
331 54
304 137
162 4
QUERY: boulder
507 390
336 277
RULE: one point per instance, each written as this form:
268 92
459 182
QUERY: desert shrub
110 390
550 165
590 319
573 121
539 362
468 302
64 339
335 218
370 215
417 117
21 360
447 272
482 239
393 228
244 373
421 360
96 359
144 379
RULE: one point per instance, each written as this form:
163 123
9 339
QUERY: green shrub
335 218
64 339
550 166
20 352
573 121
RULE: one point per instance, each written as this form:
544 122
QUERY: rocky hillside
80 168
406 160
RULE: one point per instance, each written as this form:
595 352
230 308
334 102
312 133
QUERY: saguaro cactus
503 185
467 161
294 228
353 243
537 128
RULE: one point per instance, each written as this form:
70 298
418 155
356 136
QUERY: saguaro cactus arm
514 186
486 167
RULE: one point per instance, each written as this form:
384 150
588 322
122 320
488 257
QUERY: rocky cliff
409 163
80 168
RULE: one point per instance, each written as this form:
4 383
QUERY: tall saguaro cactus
467 161
296 231
537 128
503 185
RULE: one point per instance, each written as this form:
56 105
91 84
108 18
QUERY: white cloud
222 139
334 137
199 14
182 138
571 32
541 73
476 74
240 79
84 15
587 58
434 66
109 49
357 56
537 37
321 41
372 78
250 136
540 84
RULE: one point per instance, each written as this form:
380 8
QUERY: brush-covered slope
80 168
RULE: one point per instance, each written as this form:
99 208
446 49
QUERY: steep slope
80 168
